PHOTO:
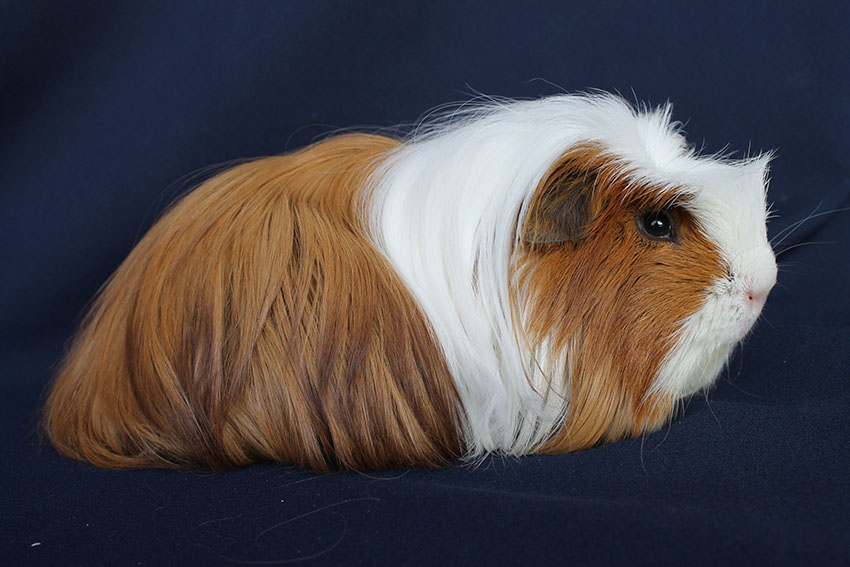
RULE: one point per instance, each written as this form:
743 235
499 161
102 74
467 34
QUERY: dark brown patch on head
612 301
560 211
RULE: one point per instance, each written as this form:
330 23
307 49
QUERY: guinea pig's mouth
751 307
709 337
747 287
731 309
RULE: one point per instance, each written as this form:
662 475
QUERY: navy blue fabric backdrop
106 107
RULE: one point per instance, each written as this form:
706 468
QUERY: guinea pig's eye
657 225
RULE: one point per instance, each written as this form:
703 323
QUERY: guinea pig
516 277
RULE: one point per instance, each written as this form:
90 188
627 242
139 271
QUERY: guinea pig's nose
757 296
759 271
760 280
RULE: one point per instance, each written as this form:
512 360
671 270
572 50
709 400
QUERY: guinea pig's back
257 321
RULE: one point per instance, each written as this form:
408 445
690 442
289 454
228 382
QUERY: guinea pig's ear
560 210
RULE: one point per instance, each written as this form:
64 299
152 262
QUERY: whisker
787 271
800 244
767 321
746 393
794 226
711 409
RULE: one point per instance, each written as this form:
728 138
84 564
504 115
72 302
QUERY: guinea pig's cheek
706 338
732 317
702 344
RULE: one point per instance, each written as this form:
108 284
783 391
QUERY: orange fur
614 323
255 321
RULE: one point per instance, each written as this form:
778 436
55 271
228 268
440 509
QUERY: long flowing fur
483 286
255 322
446 212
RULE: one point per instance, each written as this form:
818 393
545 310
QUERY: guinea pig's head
636 278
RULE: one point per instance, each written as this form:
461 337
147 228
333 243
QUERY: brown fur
609 298
255 321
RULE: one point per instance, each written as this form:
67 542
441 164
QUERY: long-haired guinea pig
538 276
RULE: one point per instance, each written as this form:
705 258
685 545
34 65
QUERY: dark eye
657 225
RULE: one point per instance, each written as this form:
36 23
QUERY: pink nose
758 295
757 276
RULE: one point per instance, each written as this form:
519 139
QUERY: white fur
445 210
732 211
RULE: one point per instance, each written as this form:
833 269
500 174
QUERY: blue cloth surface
109 110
